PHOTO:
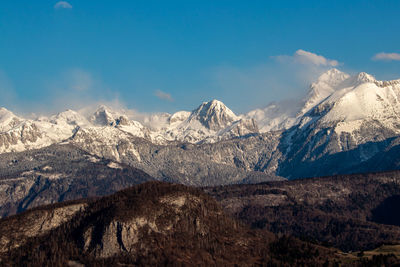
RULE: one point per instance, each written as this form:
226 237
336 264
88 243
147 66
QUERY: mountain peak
179 116
68 112
215 105
69 116
325 85
331 77
214 115
331 72
6 116
5 112
365 77
103 116
103 107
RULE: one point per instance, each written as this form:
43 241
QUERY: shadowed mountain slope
59 173
350 212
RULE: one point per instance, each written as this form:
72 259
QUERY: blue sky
172 55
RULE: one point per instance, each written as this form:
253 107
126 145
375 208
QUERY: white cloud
74 88
163 95
62 5
386 56
307 58
284 77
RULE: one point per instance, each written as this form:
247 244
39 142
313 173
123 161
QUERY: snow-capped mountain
325 85
19 134
285 114
105 116
342 116
354 98
356 121
335 97
210 122
276 116
213 115
8 120
356 102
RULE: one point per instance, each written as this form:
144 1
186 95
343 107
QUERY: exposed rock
36 223
150 224
58 173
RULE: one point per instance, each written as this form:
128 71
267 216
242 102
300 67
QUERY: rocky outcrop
38 222
150 224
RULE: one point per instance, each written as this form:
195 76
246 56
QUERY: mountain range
346 124
61 178
336 97
340 114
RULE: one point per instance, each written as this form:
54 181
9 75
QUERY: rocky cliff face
150 224
36 223
225 162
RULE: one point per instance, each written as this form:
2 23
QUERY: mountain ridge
211 119
354 118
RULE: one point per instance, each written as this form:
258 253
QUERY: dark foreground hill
153 224
350 212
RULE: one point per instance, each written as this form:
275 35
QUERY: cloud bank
62 5
307 58
281 78
73 88
276 79
387 56
163 95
